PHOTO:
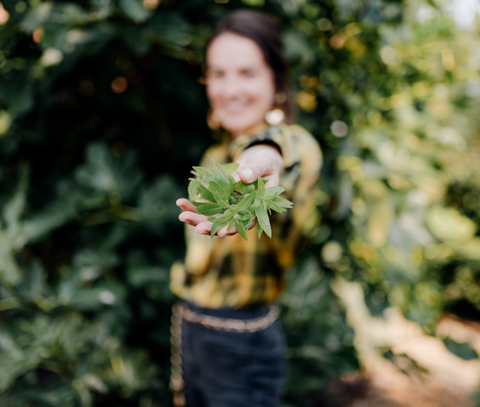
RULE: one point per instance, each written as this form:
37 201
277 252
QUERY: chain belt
231 324
180 311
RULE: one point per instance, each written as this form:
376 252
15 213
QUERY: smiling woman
240 84
231 348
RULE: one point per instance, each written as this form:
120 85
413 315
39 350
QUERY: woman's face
240 83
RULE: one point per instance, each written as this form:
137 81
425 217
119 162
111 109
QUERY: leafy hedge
102 115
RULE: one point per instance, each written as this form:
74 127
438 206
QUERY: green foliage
102 115
236 204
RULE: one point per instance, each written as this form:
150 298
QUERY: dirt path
421 371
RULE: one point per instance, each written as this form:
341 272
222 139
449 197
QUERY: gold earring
274 117
213 120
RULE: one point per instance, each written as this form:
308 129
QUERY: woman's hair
265 32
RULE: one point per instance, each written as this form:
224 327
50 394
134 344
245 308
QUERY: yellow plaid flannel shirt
231 272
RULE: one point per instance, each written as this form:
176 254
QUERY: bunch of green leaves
215 193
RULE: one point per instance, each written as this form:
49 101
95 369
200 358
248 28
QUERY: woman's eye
248 74
214 75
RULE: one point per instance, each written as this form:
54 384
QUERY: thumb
247 175
252 170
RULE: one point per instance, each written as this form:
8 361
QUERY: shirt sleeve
281 136
303 160
301 183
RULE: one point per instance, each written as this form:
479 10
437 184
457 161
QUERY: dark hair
265 32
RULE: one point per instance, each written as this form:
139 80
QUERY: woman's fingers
233 231
225 232
192 218
186 205
204 228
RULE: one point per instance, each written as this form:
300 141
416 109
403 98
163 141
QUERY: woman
231 349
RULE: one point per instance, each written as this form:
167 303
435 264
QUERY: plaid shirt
232 272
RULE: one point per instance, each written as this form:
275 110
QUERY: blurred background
102 115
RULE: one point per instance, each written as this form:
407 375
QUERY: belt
229 324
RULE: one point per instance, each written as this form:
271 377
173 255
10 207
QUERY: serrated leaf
207 209
215 228
273 191
206 193
263 219
246 202
193 188
261 188
224 218
220 174
230 167
236 199
247 223
246 215
220 193
248 188
275 207
202 171
238 187
240 229
225 184
285 203
259 230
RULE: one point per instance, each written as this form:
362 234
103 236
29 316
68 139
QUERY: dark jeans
230 369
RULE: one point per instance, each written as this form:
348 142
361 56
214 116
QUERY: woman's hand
258 161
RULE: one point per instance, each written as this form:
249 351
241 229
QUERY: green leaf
274 206
36 17
248 188
193 188
247 222
202 171
273 191
261 188
220 193
259 230
240 229
52 217
246 215
246 202
224 218
134 10
231 224
230 167
220 174
206 193
14 206
263 219
207 209
215 228
285 203
238 187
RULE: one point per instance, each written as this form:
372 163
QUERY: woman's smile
240 84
